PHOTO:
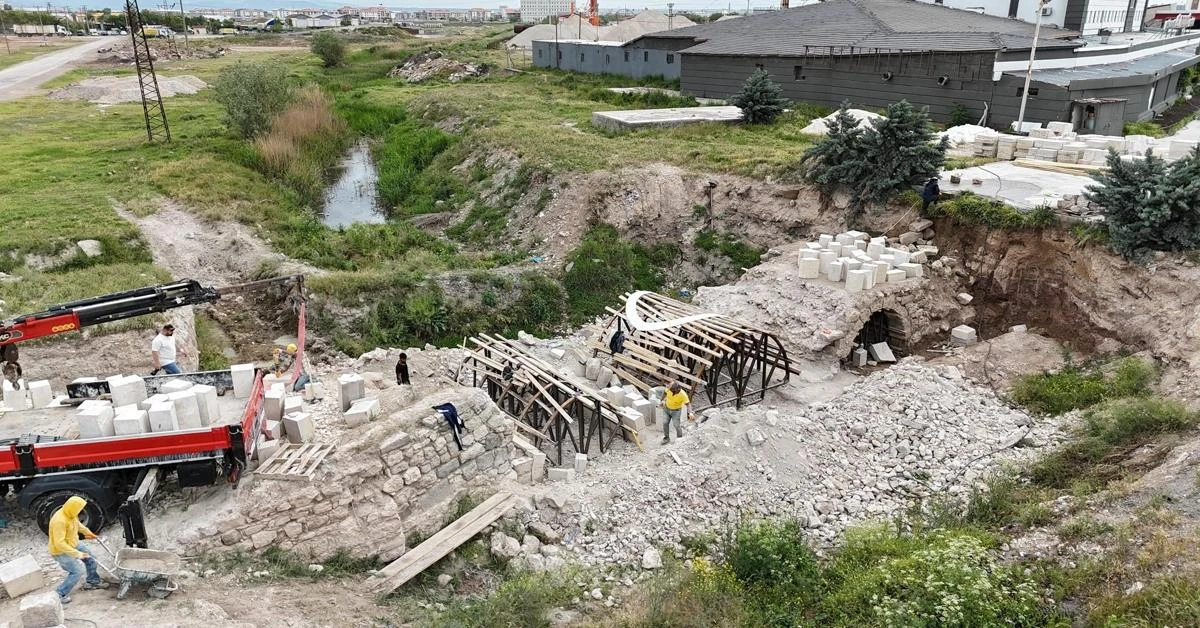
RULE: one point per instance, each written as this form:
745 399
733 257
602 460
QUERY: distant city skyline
696 6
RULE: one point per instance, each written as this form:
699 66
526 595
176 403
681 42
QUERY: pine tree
900 151
760 100
1149 205
836 160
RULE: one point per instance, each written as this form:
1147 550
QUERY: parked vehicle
33 30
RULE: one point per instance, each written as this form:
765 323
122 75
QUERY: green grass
521 601
1171 600
212 342
1143 128
604 266
971 209
1076 387
742 255
22 54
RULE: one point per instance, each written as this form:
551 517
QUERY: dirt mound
110 90
432 64
160 49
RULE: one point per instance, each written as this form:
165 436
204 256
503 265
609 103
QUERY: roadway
23 79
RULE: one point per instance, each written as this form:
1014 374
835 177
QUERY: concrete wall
1052 103
1026 9
828 81
576 56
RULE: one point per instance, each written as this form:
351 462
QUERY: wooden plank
421 557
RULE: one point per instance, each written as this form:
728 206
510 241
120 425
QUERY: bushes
741 254
252 94
1150 205
406 181
329 48
960 115
969 208
1074 388
774 564
1143 128
303 141
760 100
604 266
520 602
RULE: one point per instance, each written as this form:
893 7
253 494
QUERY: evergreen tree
836 160
760 100
1150 205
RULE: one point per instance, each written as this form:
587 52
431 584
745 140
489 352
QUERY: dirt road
23 79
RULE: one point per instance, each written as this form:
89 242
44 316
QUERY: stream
353 198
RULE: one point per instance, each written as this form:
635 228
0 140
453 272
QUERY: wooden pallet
419 558
295 462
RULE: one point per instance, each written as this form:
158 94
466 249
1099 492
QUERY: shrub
521 601
760 100
836 161
969 208
303 141
780 573
959 115
1143 128
1074 388
603 266
742 255
701 597
252 94
329 48
1150 205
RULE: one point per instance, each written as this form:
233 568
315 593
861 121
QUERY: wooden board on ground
421 557
294 461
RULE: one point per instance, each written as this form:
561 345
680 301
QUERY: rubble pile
432 64
1079 205
161 49
905 432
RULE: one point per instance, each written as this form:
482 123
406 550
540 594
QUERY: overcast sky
699 6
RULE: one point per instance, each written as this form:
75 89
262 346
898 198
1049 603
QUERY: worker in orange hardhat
68 552
284 359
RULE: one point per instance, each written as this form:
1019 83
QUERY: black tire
44 507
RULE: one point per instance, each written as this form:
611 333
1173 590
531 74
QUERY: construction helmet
291 348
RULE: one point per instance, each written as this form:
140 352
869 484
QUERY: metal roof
1163 62
895 25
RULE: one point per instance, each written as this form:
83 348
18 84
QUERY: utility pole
1037 27
4 33
43 28
185 28
670 15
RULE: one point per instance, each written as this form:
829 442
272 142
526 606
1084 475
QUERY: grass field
24 49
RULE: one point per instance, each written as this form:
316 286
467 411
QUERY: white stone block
266 448
275 429
314 391
151 400
835 271
646 408
814 246
273 403
917 258
175 385
96 403
900 257
16 399
21 575
857 235
40 394
856 280
270 380
825 239
591 369
896 276
809 269
881 352
911 270
844 239
581 461
95 422
523 467
187 411
163 417
604 379
614 395
298 428
826 258
362 411
859 357
874 250
128 390
129 409
869 282
206 399
538 471
41 610
561 475
131 423
963 336
809 254
293 403
888 259
836 249
243 380
1018 329
881 271
851 264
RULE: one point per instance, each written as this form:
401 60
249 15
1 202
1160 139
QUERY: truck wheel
44 507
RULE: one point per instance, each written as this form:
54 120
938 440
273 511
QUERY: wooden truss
550 410
715 357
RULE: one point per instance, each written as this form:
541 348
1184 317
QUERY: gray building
876 52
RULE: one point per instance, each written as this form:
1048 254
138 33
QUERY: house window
645 55
627 56
581 57
606 60
798 72
670 59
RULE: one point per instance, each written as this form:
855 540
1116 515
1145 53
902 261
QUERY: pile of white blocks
35 395
1058 142
531 467
861 262
636 411
357 407
181 405
595 370
286 420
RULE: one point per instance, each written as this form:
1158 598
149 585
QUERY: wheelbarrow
154 569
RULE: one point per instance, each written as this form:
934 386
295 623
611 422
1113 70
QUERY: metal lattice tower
152 105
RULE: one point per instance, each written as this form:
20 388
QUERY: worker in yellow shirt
68 552
675 403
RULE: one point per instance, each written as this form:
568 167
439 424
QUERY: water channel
353 198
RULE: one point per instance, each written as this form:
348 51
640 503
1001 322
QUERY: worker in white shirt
162 351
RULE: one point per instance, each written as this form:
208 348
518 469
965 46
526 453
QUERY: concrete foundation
651 118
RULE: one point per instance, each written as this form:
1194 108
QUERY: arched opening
883 326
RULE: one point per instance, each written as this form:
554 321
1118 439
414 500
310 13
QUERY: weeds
604 266
1076 387
742 255
304 140
971 209
1143 128
519 602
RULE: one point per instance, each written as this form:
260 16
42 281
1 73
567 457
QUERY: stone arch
884 325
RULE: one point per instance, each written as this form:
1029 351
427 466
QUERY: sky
698 6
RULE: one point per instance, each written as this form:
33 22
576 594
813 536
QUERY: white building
1085 16
538 10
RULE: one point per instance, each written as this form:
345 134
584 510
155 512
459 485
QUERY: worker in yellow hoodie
68 552
675 403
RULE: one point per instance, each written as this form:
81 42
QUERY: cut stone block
911 270
814 246
591 369
16 399
963 336
21 575
918 258
561 475
273 403
605 377
856 280
175 385
362 411
270 380
351 388
851 264
523 467
881 352
206 399
909 237
857 235
298 428
646 408
835 271
1019 329
41 610
187 410
151 400
810 254
859 357
131 423
881 272
40 394
266 448
243 380
163 417
130 409
275 429
95 422
825 240
826 258
900 257
895 276
314 391
836 249
869 279
964 299
874 249
581 461
633 420
613 395
844 238
538 470
809 269
293 403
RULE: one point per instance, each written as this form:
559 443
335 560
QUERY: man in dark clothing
929 195
402 369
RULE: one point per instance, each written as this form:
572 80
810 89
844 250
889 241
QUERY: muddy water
353 199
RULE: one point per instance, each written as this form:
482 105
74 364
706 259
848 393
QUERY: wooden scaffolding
551 411
719 360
